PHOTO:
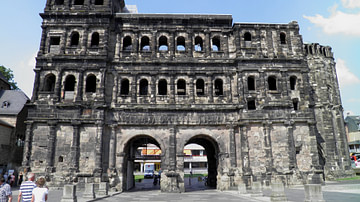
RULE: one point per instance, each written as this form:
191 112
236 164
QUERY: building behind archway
268 104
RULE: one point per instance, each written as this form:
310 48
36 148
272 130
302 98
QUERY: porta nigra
264 105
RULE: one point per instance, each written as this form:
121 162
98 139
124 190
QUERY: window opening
144 87
293 83
251 105
198 44
180 44
163 44
90 84
127 43
216 44
296 104
49 83
272 83
99 2
282 38
59 2
95 39
54 45
70 83
200 87
75 39
60 159
162 87
181 87
124 87
219 87
78 2
247 36
251 83
145 43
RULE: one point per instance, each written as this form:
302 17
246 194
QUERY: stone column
84 43
57 88
50 158
134 89
79 86
210 88
69 194
28 144
98 148
313 193
172 149
232 147
268 149
112 152
36 85
115 89
75 147
172 89
191 89
245 151
315 177
291 148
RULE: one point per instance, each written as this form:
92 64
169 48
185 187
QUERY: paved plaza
348 191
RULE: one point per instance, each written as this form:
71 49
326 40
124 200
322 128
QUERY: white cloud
345 76
351 3
338 22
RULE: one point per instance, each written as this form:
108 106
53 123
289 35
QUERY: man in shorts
26 188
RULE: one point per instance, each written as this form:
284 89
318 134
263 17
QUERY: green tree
8 74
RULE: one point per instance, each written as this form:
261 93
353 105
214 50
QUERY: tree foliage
9 76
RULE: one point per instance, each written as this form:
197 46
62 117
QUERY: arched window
247 36
282 38
180 44
219 87
181 87
145 43
75 39
70 83
198 44
95 38
163 44
293 83
251 105
78 2
59 2
216 43
200 87
251 83
49 83
90 84
296 104
162 87
143 87
272 83
127 43
124 90
60 159
99 2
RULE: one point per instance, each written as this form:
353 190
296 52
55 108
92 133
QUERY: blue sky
329 22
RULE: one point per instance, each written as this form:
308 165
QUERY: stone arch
129 156
49 83
199 44
212 149
90 86
216 44
145 44
163 43
75 38
127 43
95 39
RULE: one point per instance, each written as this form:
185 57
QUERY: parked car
357 163
149 174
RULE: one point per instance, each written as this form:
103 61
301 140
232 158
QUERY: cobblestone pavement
196 191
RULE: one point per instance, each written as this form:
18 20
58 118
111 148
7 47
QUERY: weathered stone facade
253 95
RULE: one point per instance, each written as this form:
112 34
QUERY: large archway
141 154
211 151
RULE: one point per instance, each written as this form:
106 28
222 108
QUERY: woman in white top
39 194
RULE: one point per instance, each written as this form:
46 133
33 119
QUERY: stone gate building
263 104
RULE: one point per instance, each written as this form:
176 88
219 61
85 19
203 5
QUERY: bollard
256 190
103 189
278 192
69 194
242 188
89 192
313 193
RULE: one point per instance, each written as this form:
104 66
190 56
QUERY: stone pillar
112 148
79 86
115 89
191 89
69 194
278 192
242 188
36 85
317 172
75 147
313 193
98 149
172 149
28 144
268 150
51 147
232 147
89 192
291 148
103 189
210 92
245 151
134 89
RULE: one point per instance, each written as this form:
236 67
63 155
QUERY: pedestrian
5 190
26 188
6 176
12 179
40 193
20 178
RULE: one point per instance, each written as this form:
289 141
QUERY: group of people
29 190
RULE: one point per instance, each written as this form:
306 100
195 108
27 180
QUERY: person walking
20 178
40 193
5 190
26 188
